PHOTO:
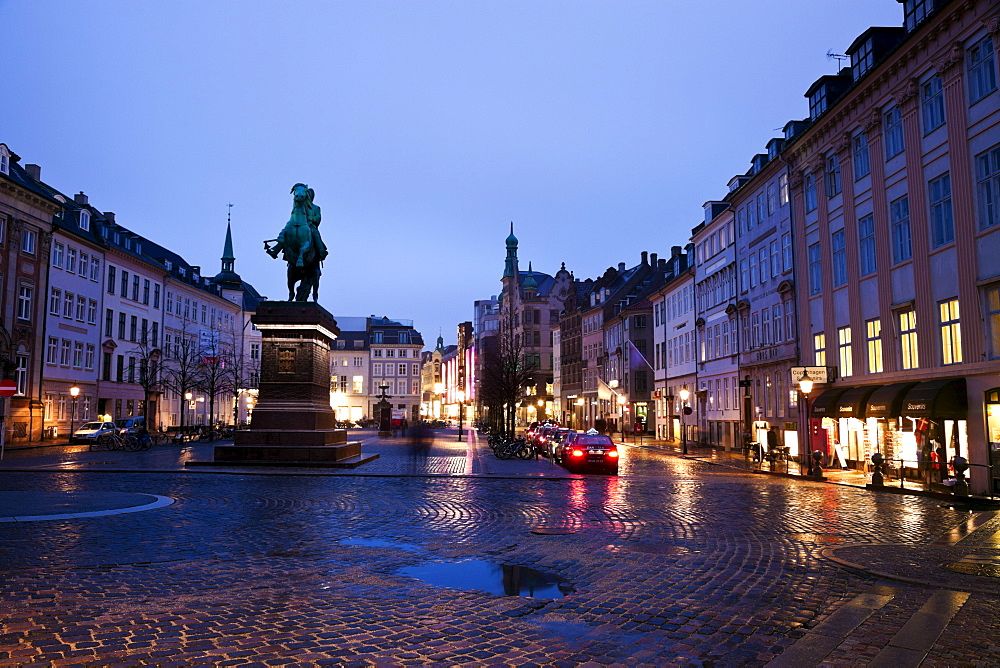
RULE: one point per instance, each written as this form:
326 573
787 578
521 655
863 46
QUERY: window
84 265
95 269
899 221
744 275
52 351
819 349
21 373
68 301
58 252
763 263
109 322
862 161
839 251
809 188
85 220
741 217
65 352
833 175
988 187
777 319
78 354
753 269
156 296
862 60
772 199
92 311
817 102
761 208
25 295
170 301
377 368
255 351
751 216
145 291
951 334
28 242
156 333
908 338
121 326
893 122
932 104
135 287
815 270
786 252
401 370
81 308
844 352
991 297
111 280
783 189
4 162
914 11
942 223
55 301
775 258
88 358
866 245
71 260
982 70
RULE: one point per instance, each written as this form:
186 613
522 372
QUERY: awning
854 400
825 404
943 398
887 400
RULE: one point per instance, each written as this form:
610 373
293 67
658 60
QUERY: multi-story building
895 191
72 323
395 366
766 302
530 303
350 366
432 380
674 342
716 401
485 327
27 210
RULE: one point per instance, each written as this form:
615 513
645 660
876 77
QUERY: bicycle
517 447
114 440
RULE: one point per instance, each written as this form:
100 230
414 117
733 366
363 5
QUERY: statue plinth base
293 423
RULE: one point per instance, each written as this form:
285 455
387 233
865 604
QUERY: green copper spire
529 281
228 259
510 266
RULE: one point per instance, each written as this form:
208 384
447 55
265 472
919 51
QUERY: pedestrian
772 439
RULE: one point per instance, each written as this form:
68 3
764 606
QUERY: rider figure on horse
301 244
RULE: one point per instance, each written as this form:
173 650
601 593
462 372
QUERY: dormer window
138 247
4 160
128 243
168 265
915 11
85 220
817 102
862 59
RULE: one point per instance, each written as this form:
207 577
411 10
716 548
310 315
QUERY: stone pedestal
293 423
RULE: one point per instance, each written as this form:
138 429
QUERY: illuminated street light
73 392
684 395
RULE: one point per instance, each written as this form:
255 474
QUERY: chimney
196 269
675 251
652 259
621 267
110 216
645 257
80 198
34 171
662 264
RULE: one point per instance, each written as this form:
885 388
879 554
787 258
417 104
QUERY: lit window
844 352
783 189
991 298
873 335
951 335
819 349
908 339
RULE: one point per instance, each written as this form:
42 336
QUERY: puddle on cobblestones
816 537
647 548
378 542
498 579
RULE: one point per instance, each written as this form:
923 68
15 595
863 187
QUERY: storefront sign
817 373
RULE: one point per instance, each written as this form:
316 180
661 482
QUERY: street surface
677 561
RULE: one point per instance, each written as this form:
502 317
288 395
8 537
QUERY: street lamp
461 408
685 395
73 392
541 410
187 397
621 409
806 387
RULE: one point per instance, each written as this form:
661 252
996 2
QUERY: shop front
894 443
936 413
823 426
993 434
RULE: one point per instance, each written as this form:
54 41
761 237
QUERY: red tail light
577 453
612 453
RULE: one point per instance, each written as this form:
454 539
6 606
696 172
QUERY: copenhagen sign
818 374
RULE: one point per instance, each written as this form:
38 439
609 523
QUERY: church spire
228 276
510 265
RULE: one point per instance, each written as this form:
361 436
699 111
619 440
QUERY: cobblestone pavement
674 562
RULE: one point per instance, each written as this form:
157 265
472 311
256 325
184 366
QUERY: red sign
7 388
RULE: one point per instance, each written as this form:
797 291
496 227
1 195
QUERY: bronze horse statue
302 245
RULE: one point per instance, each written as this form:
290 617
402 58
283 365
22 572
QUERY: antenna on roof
836 56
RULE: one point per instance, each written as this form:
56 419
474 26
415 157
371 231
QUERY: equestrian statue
302 246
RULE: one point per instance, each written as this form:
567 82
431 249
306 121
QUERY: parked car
91 431
541 436
589 452
555 439
131 425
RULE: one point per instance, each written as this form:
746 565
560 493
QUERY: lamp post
73 392
187 397
621 410
461 409
540 414
684 395
805 387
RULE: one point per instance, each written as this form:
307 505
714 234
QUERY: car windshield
593 440
91 425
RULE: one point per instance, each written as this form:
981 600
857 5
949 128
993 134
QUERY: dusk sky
425 128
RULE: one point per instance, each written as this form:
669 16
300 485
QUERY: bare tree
212 378
240 370
505 375
181 364
150 373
